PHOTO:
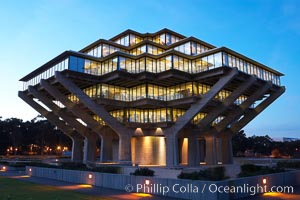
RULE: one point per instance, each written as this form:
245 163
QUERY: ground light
264 181
90 176
147 182
3 168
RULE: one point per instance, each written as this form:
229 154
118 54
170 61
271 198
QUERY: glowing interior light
264 181
147 181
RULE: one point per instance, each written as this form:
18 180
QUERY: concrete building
153 99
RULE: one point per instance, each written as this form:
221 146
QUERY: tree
240 143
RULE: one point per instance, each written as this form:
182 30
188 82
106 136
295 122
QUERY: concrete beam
199 105
89 103
84 131
88 119
234 115
66 129
226 103
258 109
49 115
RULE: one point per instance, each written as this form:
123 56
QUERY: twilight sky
34 31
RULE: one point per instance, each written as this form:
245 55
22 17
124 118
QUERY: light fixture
147 182
3 168
90 176
264 181
30 169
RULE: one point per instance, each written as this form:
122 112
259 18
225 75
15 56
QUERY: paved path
93 190
277 196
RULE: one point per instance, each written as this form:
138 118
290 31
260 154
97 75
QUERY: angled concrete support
227 102
94 125
90 149
89 103
49 115
59 112
198 106
258 109
210 149
69 131
220 127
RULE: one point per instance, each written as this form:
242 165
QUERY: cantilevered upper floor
134 53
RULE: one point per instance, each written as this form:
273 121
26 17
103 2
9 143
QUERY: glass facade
191 48
165 39
151 91
160 115
62 65
158 65
129 40
162 52
250 68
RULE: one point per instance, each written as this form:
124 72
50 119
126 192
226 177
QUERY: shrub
108 169
254 170
285 164
143 172
213 174
72 165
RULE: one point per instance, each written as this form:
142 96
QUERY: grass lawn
13 189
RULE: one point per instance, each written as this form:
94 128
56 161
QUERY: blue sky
35 31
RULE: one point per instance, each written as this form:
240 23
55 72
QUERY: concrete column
180 150
125 148
172 150
193 151
106 148
227 155
77 149
90 148
210 146
201 149
218 149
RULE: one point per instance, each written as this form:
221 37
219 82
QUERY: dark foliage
291 164
211 174
17 134
254 170
143 172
